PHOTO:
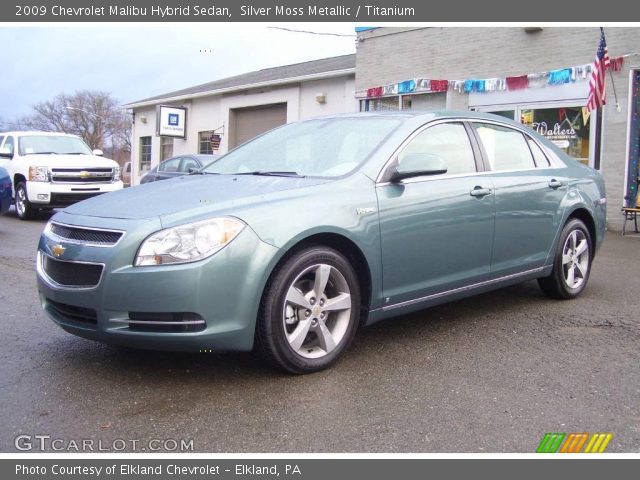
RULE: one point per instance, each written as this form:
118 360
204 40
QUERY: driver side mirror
6 153
418 165
98 152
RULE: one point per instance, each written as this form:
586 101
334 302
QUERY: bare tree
93 115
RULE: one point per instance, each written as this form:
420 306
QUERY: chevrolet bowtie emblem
57 250
84 174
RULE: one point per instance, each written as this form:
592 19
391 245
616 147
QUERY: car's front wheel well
351 252
586 218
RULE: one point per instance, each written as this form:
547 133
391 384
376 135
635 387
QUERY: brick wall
389 55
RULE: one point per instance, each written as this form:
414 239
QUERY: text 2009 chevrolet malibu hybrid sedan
293 240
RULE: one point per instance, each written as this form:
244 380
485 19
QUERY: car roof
426 115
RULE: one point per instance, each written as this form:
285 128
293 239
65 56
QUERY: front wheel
572 263
310 311
23 207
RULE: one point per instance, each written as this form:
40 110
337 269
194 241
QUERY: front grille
86 235
65 199
81 175
71 274
72 313
181 322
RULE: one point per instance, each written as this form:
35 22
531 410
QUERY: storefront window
380 104
510 114
145 153
204 142
166 148
567 127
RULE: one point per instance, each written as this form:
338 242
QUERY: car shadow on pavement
414 330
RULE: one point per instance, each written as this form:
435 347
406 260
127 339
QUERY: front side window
319 148
506 148
9 145
51 144
170 166
448 141
188 163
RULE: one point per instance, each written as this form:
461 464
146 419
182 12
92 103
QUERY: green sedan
292 241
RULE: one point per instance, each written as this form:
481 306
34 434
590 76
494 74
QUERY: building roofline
171 97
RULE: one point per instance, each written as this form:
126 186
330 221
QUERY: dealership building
233 110
534 75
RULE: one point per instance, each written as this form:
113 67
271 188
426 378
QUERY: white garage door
250 122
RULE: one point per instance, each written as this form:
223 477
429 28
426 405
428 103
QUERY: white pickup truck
51 170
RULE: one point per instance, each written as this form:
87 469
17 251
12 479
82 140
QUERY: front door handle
480 192
555 184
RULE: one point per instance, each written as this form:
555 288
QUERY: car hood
191 193
69 161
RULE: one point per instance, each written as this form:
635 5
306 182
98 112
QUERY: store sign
558 134
215 141
171 121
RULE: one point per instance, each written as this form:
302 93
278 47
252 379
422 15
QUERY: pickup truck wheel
310 311
23 208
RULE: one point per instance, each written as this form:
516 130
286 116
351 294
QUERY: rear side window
506 148
448 141
538 155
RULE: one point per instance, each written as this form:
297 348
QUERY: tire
304 327
24 210
572 262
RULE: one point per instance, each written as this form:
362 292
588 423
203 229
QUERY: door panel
436 231
527 216
527 206
435 236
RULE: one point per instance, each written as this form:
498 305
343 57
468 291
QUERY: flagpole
613 85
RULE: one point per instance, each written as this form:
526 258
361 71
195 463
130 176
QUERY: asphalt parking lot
491 373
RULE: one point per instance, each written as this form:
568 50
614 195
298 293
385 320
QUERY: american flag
597 81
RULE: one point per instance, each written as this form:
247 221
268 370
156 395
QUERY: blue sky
134 62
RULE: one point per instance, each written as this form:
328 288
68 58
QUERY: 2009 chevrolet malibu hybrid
293 240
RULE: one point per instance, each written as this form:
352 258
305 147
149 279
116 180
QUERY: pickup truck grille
91 236
81 175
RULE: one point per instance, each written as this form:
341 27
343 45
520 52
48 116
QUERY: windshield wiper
271 173
42 153
74 153
202 172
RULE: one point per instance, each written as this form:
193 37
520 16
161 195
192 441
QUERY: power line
312 33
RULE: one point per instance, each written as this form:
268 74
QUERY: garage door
250 122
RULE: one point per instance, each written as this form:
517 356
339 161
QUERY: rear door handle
480 192
555 184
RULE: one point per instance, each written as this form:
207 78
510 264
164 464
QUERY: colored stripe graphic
550 443
573 442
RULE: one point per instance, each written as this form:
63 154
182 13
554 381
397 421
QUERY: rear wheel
23 207
310 311
572 263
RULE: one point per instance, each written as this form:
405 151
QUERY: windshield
319 148
32 144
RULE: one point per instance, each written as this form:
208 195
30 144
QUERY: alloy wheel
317 311
21 198
575 259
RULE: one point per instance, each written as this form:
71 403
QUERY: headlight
39 174
116 174
188 243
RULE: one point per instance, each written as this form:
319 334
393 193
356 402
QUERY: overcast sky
134 62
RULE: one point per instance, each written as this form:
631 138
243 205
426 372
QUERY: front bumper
224 290
55 195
